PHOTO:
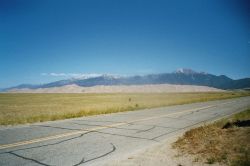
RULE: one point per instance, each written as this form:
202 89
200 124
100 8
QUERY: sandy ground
161 154
158 88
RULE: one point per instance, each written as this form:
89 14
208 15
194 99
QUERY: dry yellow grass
212 144
29 108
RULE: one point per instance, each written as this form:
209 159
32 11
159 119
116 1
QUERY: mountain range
179 77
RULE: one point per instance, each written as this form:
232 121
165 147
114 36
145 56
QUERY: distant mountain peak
111 76
187 71
86 76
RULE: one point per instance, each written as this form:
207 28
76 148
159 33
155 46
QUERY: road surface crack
154 138
64 128
103 155
56 143
30 159
141 131
128 136
34 147
105 125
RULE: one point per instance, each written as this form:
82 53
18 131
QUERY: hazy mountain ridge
179 77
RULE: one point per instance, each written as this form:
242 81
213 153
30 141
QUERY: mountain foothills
179 77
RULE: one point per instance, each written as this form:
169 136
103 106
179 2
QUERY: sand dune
157 88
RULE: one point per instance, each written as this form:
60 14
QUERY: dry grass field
30 108
225 142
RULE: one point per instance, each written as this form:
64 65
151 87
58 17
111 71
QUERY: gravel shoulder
161 154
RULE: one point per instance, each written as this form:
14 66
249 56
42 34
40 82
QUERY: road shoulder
161 154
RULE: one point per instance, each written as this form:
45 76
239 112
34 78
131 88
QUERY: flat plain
30 108
111 139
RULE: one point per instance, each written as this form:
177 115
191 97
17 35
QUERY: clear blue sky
121 37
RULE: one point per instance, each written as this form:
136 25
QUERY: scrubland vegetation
225 141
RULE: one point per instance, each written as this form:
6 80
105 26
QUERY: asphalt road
99 140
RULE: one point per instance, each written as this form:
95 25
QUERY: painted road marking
82 131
